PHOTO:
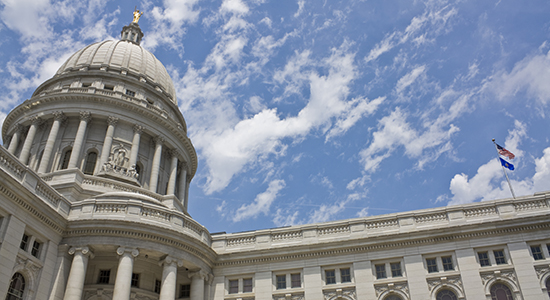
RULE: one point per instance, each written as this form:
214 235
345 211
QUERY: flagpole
504 170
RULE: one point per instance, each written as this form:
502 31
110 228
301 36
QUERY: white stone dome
123 57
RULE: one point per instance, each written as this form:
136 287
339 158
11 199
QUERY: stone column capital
174 153
84 250
85 116
138 128
18 128
36 120
111 120
169 260
158 140
200 274
59 116
132 251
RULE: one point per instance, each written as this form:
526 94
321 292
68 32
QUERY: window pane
345 274
233 286
281 282
537 252
185 291
104 276
295 280
135 280
396 269
330 276
447 263
380 271
499 257
16 288
432 265
35 249
157 286
65 161
483 259
24 242
90 163
446 295
247 285
500 291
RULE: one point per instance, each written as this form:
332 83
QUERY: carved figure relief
118 162
340 294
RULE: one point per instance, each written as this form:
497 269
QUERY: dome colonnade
106 134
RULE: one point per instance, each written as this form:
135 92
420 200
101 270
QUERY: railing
386 224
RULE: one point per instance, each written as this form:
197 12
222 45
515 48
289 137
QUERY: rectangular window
247 285
233 286
537 253
447 263
499 257
483 259
281 282
104 276
24 242
345 275
330 277
295 280
135 280
432 265
85 85
130 93
158 284
185 291
36 249
108 87
380 271
396 269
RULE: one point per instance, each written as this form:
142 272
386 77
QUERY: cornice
301 252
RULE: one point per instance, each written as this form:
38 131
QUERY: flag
505 152
506 164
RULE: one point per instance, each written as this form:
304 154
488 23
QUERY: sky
305 111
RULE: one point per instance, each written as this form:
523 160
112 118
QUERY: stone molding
340 294
505 275
453 283
85 116
112 120
198 274
289 296
138 128
59 116
36 120
399 288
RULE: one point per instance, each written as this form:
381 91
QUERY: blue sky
311 111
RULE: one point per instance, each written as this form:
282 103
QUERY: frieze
507 274
289 296
454 281
542 270
402 287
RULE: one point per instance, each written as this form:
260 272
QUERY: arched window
500 291
548 286
65 161
17 287
393 297
446 295
89 166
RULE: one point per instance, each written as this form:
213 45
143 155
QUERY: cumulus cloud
489 183
261 204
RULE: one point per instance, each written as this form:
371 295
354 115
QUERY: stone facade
94 179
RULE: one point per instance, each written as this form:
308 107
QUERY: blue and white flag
506 164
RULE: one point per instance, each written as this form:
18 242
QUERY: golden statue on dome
137 15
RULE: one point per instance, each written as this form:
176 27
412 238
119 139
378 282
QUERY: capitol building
94 179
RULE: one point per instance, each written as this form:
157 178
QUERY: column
138 129
169 274
58 117
108 141
153 181
171 190
24 156
61 273
123 281
183 181
77 274
363 274
418 287
313 283
469 269
85 117
197 284
15 139
527 276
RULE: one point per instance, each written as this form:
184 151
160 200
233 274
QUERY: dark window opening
24 242
66 158
432 265
483 259
247 285
135 280
185 291
36 249
89 166
130 93
104 276
380 271
16 288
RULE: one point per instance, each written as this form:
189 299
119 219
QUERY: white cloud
261 204
532 74
29 17
434 21
363 212
301 4
489 182
328 212
286 218
234 7
409 78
